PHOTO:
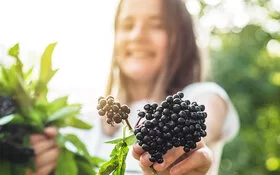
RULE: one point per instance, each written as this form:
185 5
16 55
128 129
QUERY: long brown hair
182 64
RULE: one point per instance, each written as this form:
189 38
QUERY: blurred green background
246 62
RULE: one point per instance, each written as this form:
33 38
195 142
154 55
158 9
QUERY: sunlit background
242 36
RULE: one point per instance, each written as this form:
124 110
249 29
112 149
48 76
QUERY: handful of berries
174 122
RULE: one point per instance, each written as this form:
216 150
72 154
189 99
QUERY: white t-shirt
94 139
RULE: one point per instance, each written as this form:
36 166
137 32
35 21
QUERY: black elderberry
7 105
181 120
175 96
154 106
176 108
141 114
149 116
147 107
188 102
164 104
202 107
186 149
180 94
166 112
139 136
159 109
160 161
169 99
152 159
177 101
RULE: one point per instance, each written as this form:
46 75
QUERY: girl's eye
126 25
156 25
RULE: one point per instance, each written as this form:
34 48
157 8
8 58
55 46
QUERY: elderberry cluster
7 106
11 147
173 123
114 111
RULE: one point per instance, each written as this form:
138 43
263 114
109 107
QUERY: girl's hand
176 161
46 151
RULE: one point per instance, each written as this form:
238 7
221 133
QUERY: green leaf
5 120
65 112
115 141
46 73
5 167
122 160
108 167
28 73
77 123
97 161
66 163
130 140
81 148
57 104
14 52
84 165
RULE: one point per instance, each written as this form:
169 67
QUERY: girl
155 55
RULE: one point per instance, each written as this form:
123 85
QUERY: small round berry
102 102
101 112
147 107
117 118
141 114
169 99
180 94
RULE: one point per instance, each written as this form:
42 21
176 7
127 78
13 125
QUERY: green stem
124 133
154 171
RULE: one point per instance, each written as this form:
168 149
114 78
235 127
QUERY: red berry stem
140 118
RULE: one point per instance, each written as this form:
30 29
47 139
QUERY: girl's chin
139 75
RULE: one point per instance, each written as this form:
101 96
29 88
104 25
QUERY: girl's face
141 39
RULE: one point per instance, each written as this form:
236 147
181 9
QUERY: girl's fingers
137 151
196 163
47 158
45 170
44 146
169 158
51 131
35 138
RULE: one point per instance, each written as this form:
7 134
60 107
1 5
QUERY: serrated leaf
14 52
66 163
84 165
28 73
21 95
122 160
46 73
67 111
108 167
97 161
